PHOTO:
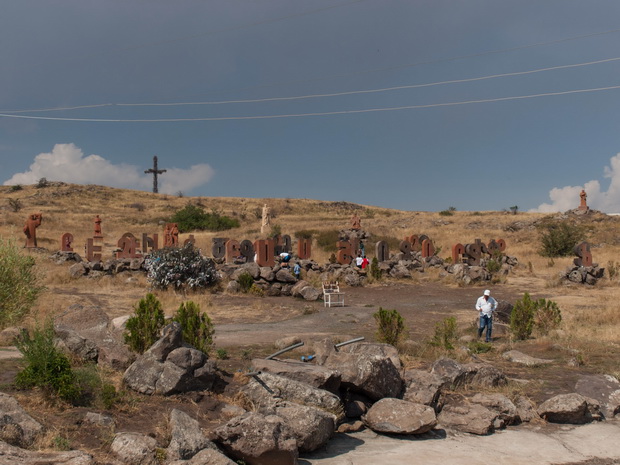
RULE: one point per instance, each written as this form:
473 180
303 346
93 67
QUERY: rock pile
583 274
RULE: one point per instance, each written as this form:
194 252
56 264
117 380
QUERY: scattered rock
134 449
314 375
453 373
187 439
11 455
99 419
519 357
259 440
506 411
16 426
422 387
570 408
463 416
604 388
400 417
312 427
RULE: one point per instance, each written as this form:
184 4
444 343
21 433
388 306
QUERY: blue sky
535 152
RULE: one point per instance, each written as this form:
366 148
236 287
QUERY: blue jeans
488 322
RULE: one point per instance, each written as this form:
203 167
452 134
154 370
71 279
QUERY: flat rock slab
7 353
519 357
546 446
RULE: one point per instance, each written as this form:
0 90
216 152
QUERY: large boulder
314 375
452 373
285 276
570 408
12 455
311 426
374 348
507 413
486 375
16 426
397 416
259 440
523 359
264 389
461 415
373 375
422 387
206 457
187 439
604 388
170 367
71 343
134 449
526 409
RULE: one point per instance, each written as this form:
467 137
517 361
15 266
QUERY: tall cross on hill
155 172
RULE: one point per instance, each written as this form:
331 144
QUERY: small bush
142 329
246 281
375 271
15 188
445 334
547 316
15 205
194 218
20 284
256 291
221 354
446 213
42 183
46 367
197 327
327 240
493 266
479 347
305 234
180 268
522 317
391 326
560 238
276 230
613 268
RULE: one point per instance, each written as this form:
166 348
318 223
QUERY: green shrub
276 230
19 284
142 329
446 213
15 188
479 347
522 317
445 333
559 238
327 240
180 268
42 183
305 234
246 281
221 354
15 205
547 316
375 271
256 291
493 266
193 218
46 367
197 327
391 326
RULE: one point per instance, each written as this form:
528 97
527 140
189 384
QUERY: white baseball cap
487 292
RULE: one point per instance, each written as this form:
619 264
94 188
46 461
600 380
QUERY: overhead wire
299 115
333 94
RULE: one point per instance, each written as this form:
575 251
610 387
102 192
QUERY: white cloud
67 163
567 197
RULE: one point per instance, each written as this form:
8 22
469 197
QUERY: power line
299 115
334 94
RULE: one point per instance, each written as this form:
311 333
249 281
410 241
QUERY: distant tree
514 209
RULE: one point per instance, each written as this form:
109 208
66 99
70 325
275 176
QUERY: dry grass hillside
591 314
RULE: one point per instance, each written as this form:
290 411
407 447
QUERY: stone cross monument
583 204
155 172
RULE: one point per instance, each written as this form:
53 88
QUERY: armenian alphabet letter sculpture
30 229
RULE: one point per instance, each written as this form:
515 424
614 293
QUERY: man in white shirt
486 305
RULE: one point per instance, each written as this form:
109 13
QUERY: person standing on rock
486 305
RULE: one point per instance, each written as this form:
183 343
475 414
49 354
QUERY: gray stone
233 287
16 426
285 276
11 455
78 270
206 457
263 390
99 419
506 411
466 417
400 417
453 373
570 408
373 375
71 343
486 375
374 348
353 279
422 387
187 439
134 449
259 440
314 375
311 294
298 287
523 359
604 388
400 272
266 272
9 335
526 409
311 426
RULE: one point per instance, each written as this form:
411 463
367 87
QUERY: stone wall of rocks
583 274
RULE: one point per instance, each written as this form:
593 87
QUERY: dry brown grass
590 314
